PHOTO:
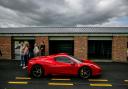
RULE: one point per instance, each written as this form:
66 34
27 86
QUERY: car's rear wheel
37 71
84 72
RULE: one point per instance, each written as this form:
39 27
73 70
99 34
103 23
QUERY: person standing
22 53
127 53
0 53
42 48
36 50
26 54
31 50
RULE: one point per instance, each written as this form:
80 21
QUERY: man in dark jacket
0 53
42 48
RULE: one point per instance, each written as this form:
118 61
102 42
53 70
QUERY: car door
63 65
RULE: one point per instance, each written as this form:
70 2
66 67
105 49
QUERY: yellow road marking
125 80
60 84
24 78
98 80
60 79
101 85
12 82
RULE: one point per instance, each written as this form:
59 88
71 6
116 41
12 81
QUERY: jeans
22 60
26 57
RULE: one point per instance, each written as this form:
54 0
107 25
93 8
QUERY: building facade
94 43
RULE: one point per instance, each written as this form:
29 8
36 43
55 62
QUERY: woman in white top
26 54
36 50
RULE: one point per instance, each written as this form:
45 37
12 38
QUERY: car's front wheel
84 72
37 71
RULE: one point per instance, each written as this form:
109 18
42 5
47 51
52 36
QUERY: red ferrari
62 64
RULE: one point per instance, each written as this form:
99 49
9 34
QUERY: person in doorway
42 48
36 50
0 53
26 54
22 53
31 51
127 53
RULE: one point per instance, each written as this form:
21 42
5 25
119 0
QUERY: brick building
95 43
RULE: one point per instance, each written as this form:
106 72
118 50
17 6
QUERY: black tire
84 72
37 71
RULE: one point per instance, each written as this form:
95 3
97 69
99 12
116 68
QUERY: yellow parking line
23 78
125 80
97 80
60 84
12 82
60 79
101 85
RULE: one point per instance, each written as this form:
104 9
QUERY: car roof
59 54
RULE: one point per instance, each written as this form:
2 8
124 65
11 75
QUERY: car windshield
76 59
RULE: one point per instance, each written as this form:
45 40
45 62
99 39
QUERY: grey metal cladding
66 30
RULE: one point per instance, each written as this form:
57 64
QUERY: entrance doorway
99 49
61 46
16 46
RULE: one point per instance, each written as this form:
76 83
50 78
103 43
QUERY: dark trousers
26 57
22 60
42 53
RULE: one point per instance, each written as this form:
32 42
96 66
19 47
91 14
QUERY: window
63 59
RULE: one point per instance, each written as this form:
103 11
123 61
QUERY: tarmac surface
114 76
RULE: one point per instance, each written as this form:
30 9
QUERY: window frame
69 62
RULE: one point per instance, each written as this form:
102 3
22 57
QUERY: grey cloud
20 5
66 12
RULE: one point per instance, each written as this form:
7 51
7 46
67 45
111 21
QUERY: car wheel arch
85 66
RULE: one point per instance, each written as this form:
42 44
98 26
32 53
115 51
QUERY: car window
63 59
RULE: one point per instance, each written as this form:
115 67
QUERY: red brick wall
80 46
119 48
5 46
39 39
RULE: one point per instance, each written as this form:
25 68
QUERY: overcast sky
20 13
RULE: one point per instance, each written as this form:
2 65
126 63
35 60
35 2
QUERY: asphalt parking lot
114 76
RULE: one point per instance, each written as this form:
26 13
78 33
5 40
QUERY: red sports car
62 64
